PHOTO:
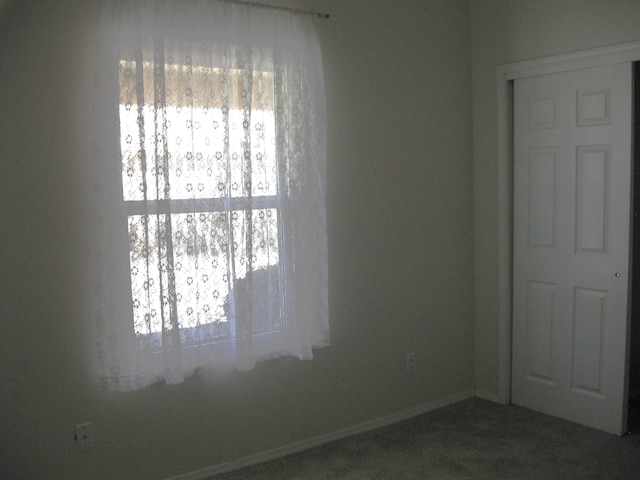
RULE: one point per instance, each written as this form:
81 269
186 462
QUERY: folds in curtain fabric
210 187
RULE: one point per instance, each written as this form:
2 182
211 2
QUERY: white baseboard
323 439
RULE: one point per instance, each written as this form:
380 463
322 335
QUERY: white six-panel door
572 180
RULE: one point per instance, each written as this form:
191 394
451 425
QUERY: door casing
506 74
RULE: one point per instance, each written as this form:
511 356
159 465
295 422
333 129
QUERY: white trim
505 228
323 439
599 57
624 53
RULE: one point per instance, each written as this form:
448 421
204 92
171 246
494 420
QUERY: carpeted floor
473 439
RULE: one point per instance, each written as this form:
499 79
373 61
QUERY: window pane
188 143
196 267
147 260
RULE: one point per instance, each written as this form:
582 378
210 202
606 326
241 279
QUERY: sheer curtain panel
210 189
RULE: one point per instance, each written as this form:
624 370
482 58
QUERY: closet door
572 184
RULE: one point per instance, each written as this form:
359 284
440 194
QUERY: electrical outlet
410 361
84 436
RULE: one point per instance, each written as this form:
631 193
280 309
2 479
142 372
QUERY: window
202 194
221 173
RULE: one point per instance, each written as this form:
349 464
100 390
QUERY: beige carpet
473 439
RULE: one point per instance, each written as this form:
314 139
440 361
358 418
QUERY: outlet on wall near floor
84 436
410 362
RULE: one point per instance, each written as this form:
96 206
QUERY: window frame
223 204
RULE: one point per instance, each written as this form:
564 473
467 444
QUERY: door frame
506 74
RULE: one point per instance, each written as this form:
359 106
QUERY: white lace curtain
210 173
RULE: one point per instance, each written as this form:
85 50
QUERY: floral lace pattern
212 249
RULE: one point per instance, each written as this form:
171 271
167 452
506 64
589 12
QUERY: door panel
572 177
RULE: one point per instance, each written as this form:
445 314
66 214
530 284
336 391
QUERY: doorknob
617 274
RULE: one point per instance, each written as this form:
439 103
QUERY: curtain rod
275 7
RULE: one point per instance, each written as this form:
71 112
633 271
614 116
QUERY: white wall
400 253
506 31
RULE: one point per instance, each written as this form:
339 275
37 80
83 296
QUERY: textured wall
400 223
